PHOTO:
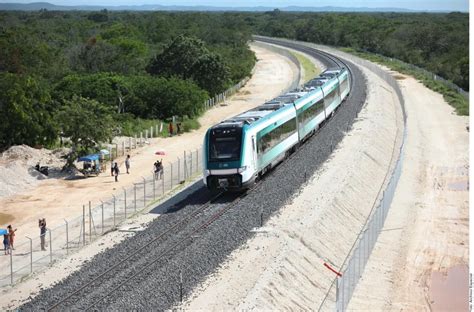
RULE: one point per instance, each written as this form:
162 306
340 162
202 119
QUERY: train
240 150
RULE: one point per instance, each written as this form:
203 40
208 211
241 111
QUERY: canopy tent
90 158
104 151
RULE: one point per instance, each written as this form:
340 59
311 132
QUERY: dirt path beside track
420 260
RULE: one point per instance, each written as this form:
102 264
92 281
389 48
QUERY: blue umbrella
3 232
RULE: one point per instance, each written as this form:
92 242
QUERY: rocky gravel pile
158 286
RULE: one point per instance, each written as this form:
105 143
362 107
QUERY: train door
254 153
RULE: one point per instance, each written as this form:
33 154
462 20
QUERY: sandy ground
282 267
420 260
273 74
56 199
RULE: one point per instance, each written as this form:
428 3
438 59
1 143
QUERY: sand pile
17 173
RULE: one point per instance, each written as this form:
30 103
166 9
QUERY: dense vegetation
58 68
436 42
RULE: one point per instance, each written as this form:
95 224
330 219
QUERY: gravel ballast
158 287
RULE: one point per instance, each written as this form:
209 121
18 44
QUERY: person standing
127 163
116 172
170 128
42 226
11 236
6 244
178 126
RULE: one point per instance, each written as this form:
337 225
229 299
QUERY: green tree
187 58
25 111
86 123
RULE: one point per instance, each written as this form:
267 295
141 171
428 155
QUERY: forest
62 73
436 42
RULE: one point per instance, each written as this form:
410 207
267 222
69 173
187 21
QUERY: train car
237 150
240 149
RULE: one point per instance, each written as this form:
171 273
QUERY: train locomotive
239 150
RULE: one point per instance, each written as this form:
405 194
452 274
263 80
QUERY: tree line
434 41
101 69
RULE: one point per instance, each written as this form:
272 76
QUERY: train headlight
242 169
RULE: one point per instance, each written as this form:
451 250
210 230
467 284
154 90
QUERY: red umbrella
160 152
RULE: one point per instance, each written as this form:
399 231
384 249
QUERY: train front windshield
225 144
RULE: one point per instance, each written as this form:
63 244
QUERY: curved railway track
147 272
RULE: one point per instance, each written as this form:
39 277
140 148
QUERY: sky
449 5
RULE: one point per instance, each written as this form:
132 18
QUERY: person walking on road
42 226
127 163
11 236
116 172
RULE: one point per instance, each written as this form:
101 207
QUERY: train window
277 135
344 84
225 144
313 111
329 98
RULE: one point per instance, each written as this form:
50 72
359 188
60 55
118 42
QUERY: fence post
114 208
151 131
123 148
125 198
197 159
50 247
162 184
171 175
191 165
102 221
144 192
179 169
130 144
90 223
116 150
83 225
11 267
154 189
67 237
135 197
135 137
31 254
185 165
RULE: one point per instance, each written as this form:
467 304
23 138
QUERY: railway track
147 272
186 228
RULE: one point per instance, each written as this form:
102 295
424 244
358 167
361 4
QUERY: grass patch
310 70
130 126
456 100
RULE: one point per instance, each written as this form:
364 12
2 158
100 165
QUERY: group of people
171 128
114 170
8 239
158 169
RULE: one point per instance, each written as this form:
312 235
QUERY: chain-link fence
59 241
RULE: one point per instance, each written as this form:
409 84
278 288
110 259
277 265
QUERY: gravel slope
158 288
